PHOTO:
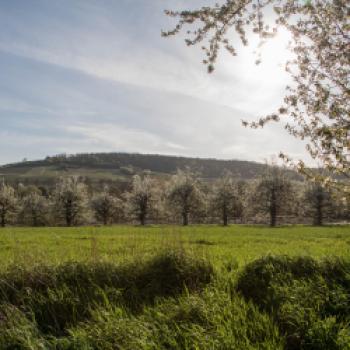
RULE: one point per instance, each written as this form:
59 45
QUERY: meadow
241 243
171 287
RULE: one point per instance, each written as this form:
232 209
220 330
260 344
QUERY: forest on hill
120 167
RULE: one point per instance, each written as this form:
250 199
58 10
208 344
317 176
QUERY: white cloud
110 136
171 66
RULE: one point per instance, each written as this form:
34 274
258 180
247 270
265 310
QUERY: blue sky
96 76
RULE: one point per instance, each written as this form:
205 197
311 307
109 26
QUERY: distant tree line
274 198
132 163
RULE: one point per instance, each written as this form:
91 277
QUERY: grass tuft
60 297
309 300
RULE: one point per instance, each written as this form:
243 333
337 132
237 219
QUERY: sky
96 76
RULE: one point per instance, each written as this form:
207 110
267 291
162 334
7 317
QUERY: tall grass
309 300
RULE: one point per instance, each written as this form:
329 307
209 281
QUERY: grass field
125 243
167 287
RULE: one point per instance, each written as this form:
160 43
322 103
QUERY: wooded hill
107 167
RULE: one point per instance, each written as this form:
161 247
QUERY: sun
255 79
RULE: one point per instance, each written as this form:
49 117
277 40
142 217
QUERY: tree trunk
225 217
68 218
273 209
3 220
319 213
35 221
105 219
142 219
69 214
34 217
105 214
185 218
273 216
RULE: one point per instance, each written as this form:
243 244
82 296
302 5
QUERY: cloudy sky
96 76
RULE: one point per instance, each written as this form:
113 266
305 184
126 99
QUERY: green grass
126 243
166 287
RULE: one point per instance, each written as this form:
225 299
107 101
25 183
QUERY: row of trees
183 197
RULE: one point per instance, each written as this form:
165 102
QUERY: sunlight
259 83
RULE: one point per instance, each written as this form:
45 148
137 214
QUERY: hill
97 167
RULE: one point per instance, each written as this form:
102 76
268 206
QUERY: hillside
96 167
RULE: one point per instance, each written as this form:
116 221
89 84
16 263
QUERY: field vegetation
171 287
237 244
